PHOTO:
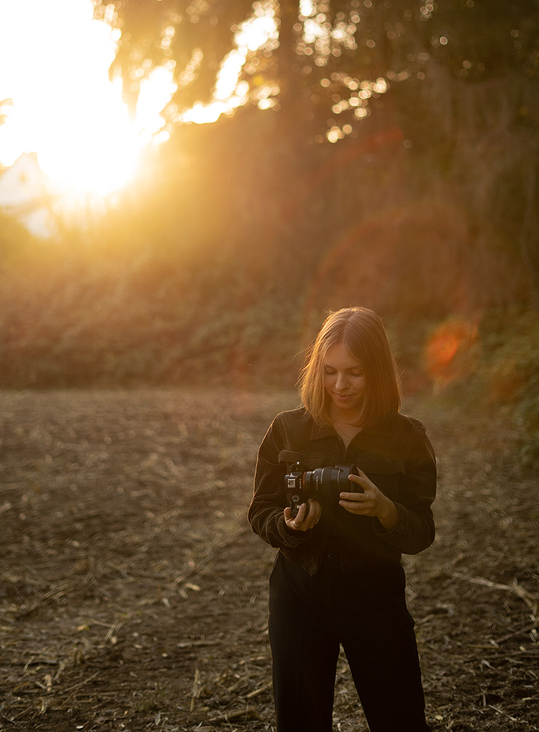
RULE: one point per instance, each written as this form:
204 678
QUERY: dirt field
133 593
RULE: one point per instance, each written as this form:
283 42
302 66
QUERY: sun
55 61
54 64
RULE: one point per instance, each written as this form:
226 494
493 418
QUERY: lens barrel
328 481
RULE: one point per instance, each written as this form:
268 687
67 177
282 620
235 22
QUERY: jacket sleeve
269 500
414 530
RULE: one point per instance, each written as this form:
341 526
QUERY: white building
25 195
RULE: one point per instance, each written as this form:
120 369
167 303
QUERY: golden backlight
54 67
54 61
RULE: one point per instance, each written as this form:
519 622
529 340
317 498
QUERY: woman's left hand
371 502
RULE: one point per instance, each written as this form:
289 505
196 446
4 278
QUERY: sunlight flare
55 68
257 32
63 106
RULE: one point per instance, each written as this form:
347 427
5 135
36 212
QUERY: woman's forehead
339 357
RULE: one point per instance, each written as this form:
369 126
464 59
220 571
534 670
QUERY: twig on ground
191 644
247 713
520 631
70 689
531 600
194 693
258 691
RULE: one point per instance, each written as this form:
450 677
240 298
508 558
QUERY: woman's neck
351 418
347 425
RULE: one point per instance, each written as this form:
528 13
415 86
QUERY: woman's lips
343 397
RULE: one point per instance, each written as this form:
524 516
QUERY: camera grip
295 503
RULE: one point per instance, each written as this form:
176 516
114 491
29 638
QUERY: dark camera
322 484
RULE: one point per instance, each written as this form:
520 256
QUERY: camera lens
327 480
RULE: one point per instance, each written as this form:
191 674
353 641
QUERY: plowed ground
133 594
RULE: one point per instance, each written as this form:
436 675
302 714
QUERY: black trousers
310 617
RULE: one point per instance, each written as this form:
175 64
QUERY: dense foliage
316 41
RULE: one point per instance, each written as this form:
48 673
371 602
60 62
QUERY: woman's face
344 380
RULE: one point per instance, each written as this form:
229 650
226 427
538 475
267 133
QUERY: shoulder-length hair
364 336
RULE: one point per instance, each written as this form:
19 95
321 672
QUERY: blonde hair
361 331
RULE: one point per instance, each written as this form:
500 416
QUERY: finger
359 484
359 503
291 521
356 497
314 507
290 515
361 509
361 480
298 523
315 512
302 513
360 474
307 515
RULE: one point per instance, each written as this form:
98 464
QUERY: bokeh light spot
451 351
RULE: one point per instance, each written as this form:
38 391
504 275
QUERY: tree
457 79
330 59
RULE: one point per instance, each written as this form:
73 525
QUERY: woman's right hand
303 522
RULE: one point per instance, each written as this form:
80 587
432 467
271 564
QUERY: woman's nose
342 382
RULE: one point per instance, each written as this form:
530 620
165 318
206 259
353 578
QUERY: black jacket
396 455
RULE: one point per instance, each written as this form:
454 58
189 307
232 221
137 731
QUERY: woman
337 579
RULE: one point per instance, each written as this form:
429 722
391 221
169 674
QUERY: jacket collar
318 431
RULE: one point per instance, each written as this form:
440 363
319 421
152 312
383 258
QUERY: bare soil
133 593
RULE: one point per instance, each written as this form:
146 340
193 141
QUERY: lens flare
451 351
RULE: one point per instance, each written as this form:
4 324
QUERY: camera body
322 484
